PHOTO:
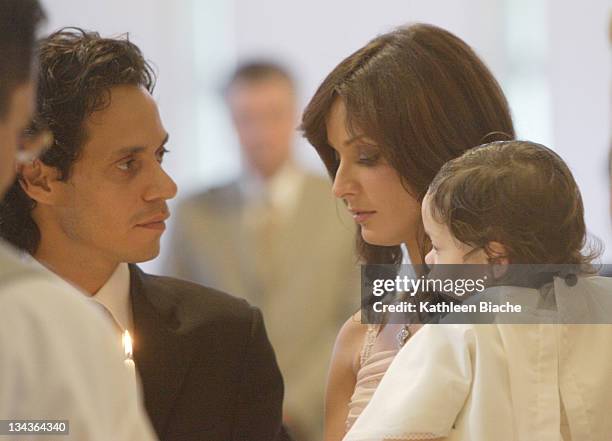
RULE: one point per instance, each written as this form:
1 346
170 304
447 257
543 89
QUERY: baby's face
445 248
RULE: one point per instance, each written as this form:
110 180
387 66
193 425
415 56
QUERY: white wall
579 71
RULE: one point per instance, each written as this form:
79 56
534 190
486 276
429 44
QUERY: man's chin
143 255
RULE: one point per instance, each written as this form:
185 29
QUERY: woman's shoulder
352 330
350 340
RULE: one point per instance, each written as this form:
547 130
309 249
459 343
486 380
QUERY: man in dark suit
209 356
95 204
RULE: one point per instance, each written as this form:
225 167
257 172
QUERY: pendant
403 335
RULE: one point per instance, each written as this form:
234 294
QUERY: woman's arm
342 376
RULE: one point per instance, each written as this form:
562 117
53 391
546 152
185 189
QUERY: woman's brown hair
517 193
423 96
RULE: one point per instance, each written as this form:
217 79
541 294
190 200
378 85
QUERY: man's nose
162 187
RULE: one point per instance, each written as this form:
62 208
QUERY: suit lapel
161 353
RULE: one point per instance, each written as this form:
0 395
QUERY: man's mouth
161 226
155 223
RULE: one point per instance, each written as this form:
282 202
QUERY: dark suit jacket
207 368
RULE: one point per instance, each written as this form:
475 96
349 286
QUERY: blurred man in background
275 237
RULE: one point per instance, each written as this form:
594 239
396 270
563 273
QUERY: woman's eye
368 154
368 159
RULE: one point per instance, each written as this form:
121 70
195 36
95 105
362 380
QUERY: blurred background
552 58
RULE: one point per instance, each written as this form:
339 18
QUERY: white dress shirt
502 382
115 297
60 360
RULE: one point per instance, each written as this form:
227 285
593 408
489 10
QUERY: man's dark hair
258 70
18 22
77 71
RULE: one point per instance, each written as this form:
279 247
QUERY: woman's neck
414 251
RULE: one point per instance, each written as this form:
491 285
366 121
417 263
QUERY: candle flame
127 344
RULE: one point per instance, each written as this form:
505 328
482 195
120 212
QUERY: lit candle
129 361
127 345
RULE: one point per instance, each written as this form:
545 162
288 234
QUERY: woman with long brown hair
384 121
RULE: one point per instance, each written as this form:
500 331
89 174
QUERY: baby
506 202
513 202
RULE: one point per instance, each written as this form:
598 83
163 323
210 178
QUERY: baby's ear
497 253
498 258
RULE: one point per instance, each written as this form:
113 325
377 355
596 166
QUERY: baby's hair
517 193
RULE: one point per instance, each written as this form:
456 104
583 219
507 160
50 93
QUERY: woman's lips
362 216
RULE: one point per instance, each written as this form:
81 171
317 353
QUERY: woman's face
370 186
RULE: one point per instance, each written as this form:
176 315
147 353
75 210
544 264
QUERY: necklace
403 335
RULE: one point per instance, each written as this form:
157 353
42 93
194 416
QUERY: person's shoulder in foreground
59 359
219 347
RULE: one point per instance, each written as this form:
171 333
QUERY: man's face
20 110
113 206
263 112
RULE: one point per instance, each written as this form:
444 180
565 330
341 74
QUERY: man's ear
40 182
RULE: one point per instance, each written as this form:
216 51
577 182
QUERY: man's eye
126 165
161 153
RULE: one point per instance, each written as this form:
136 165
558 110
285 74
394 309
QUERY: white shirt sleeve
60 360
423 390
